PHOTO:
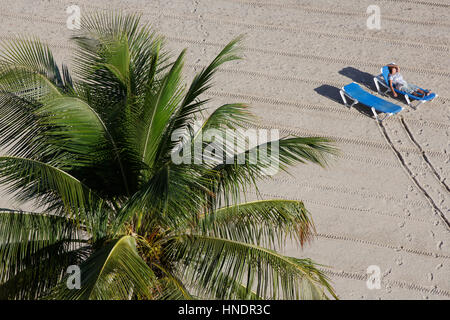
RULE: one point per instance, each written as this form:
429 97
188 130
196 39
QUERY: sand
382 202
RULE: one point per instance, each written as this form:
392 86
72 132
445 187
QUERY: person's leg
416 91
409 88
424 92
419 93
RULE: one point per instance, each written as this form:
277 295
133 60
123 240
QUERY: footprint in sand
388 289
399 261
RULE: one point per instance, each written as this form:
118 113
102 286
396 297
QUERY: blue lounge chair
383 80
358 94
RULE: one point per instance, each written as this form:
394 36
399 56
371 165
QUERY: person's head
393 70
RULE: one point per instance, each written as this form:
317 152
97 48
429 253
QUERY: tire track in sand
410 174
424 156
310 56
388 283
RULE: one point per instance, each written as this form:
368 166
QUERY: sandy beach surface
384 200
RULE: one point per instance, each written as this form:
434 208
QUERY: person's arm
392 88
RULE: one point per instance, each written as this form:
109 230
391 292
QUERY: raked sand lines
346 13
439 179
301 54
299 28
351 192
345 208
434 290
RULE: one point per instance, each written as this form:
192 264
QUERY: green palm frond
115 271
226 288
80 126
228 116
192 103
202 81
224 120
25 83
171 197
76 125
118 61
158 109
29 240
42 272
172 287
206 259
238 171
100 32
29 179
266 222
27 67
315 150
20 130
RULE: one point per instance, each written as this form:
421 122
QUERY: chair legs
344 95
407 100
419 102
341 92
375 80
375 114
378 82
386 115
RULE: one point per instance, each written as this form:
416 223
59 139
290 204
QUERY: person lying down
396 80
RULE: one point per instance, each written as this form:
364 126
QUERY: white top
397 79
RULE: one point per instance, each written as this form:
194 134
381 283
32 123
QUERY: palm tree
94 153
